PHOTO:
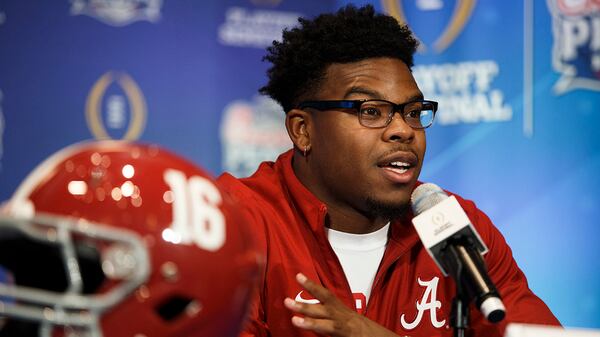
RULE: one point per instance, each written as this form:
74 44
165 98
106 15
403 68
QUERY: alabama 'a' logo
115 108
428 302
462 12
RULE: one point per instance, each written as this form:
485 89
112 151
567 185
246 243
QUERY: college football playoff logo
115 108
461 15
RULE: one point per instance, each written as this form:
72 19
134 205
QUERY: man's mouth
399 168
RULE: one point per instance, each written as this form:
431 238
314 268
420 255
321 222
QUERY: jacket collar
305 202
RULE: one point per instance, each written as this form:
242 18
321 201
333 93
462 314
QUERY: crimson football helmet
112 239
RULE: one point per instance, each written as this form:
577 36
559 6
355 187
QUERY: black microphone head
426 196
491 307
496 316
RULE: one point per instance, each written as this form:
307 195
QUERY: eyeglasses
378 113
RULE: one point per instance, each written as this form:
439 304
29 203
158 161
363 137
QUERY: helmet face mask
82 256
133 240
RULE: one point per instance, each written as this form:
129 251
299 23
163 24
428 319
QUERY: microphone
456 247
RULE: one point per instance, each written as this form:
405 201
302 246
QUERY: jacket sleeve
255 324
522 305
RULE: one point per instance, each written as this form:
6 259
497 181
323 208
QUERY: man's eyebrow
415 97
375 95
363 91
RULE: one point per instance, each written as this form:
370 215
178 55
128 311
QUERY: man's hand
331 316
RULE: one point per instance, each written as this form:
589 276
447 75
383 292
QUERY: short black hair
351 34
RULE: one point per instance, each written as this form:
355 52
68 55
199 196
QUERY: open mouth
399 168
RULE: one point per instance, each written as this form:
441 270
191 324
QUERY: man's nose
398 129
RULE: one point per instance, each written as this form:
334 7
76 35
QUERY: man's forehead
367 64
376 78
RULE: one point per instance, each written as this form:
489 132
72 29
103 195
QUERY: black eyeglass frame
356 104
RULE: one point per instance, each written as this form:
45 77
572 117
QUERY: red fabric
289 223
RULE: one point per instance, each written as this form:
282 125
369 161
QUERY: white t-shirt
360 256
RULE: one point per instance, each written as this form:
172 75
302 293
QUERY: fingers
312 310
321 326
316 317
315 289
330 317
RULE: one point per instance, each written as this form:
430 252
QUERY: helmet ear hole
174 307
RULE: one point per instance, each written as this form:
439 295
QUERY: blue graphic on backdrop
118 13
465 91
576 50
258 28
252 132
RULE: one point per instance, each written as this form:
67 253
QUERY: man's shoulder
266 181
478 217
467 204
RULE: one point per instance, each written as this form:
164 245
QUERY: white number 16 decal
196 214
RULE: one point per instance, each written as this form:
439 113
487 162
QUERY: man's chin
387 209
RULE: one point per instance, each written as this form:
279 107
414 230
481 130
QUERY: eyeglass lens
379 113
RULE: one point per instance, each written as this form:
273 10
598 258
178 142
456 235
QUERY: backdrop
517 83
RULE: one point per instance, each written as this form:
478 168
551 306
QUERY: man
333 216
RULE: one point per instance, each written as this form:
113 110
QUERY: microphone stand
459 315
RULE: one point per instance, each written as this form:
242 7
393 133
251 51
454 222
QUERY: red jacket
410 295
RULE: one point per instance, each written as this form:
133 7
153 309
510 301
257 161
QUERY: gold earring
306 150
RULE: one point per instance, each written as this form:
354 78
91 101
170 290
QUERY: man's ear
298 124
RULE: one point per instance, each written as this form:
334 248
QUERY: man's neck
340 216
352 222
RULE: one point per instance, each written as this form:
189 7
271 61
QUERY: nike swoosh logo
303 300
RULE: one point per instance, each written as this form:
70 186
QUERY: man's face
364 168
